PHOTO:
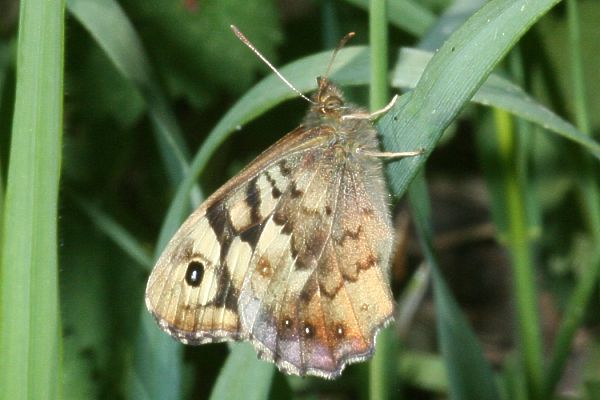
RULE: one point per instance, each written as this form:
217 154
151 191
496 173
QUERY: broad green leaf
30 339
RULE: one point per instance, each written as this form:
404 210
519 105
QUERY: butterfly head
329 100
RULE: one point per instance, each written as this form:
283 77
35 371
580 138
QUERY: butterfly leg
390 154
374 114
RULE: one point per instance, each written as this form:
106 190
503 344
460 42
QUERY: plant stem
382 369
378 42
590 198
518 245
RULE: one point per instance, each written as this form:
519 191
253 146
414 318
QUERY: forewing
195 286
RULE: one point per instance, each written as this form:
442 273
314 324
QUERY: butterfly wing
194 287
320 305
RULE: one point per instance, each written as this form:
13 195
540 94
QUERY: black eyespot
194 273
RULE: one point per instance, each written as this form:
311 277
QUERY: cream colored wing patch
194 288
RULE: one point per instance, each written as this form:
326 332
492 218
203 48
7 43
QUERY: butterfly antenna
340 45
247 42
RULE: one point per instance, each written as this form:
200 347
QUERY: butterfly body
292 254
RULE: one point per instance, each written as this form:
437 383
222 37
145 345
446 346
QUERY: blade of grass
452 17
253 384
29 313
3 71
330 23
469 374
382 371
498 92
114 33
116 233
410 16
518 244
589 192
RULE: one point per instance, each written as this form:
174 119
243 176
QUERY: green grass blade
125 240
157 366
243 376
410 16
29 314
512 183
590 195
452 17
4 59
452 77
469 374
112 30
382 372
497 92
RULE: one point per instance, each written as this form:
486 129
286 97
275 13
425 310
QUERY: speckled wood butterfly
293 253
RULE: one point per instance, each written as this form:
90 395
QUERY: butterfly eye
194 273
332 103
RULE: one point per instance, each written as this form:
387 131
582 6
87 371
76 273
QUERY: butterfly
293 253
